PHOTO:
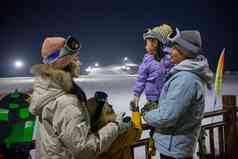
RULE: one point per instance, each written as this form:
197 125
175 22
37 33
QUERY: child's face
151 46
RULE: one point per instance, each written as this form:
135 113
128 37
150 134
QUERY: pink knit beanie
50 45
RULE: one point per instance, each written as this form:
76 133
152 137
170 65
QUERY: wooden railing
209 130
227 133
142 142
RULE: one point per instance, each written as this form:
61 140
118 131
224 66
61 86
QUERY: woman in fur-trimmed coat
64 123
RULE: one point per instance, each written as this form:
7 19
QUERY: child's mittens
133 106
136 100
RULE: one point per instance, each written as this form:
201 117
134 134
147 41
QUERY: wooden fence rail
227 132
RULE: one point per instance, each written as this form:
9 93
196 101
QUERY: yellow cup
136 120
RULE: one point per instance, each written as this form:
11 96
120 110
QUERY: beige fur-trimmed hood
49 83
59 78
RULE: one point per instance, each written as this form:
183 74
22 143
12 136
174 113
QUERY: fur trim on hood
60 78
49 83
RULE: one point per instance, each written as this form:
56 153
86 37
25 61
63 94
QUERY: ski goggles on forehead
71 47
72 44
147 30
149 33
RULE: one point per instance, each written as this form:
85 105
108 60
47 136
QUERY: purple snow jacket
151 76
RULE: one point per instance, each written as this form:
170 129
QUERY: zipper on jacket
170 142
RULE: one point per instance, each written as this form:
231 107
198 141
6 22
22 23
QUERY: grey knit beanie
189 42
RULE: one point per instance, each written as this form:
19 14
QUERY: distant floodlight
96 65
89 69
125 58
19 64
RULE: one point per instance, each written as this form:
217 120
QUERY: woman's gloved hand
123 122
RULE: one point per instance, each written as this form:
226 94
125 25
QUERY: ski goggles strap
57 55
180 42
71 47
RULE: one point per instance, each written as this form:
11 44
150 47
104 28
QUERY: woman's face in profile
176 56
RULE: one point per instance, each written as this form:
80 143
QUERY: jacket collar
53 78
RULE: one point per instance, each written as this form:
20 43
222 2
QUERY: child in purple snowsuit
156 64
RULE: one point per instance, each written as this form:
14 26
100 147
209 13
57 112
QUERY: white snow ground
119 88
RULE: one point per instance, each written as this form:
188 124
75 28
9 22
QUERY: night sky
110 30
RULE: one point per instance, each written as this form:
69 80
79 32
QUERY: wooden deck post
229 103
